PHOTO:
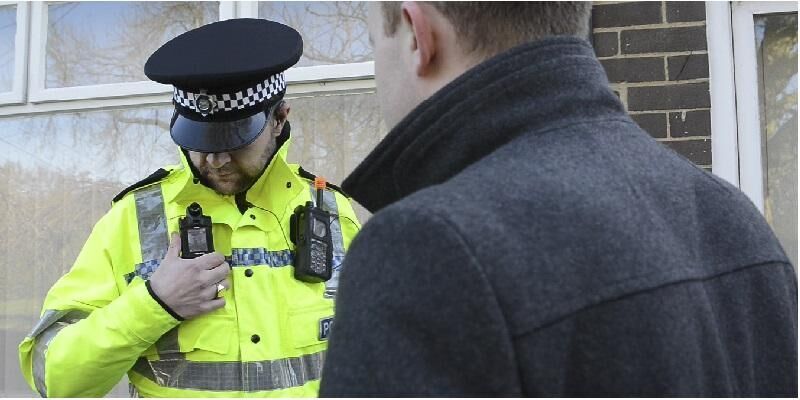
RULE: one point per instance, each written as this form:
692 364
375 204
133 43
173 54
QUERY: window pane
332 134
108 42
8 30
776 44
333 32
58 174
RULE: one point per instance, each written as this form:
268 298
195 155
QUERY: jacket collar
532 88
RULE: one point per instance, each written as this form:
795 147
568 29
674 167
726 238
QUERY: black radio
195 229
311 234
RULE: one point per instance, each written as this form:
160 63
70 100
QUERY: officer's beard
238 175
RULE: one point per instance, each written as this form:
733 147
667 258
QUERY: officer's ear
280 113
279 122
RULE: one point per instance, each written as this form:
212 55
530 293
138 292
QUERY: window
333 32
331 134
776 52
87 50
13 36
58 173
8 33
109 42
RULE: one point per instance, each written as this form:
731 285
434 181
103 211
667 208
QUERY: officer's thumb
174 250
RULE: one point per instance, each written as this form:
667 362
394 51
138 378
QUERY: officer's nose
218 160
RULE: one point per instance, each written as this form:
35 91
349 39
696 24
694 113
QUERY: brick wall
656 58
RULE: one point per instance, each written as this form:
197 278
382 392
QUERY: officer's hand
189 286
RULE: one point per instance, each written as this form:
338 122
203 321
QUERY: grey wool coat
529 239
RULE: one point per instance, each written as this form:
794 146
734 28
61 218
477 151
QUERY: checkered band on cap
245 98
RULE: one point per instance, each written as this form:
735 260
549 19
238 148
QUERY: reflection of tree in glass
46 217
333 32
51 195
119 145
776 40
8 30
778 46
94 43
332 134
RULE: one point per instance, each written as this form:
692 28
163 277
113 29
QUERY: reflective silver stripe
154 241
52 322
133 392
329 204
153 236
48 318
168 346
250 376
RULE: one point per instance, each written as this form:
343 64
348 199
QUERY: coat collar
531 88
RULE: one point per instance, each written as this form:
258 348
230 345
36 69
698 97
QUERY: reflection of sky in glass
120 146
8 29
333 32
108 42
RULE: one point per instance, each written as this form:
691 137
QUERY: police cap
226 76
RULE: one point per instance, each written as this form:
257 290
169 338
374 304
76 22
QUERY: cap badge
205 104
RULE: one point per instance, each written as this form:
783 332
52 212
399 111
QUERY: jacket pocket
210 333
310 326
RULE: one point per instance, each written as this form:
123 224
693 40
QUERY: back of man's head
488 28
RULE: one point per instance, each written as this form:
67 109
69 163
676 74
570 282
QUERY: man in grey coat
528 239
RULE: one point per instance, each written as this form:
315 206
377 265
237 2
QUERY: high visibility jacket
99 322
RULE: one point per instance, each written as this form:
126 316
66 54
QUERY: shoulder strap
308 175
160 174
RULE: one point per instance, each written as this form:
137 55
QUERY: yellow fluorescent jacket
99 322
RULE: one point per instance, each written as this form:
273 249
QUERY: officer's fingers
210 260
219 273
226 283
212 305
209 291
210 277
174 249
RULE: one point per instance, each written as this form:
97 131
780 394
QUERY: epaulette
308 175
160 174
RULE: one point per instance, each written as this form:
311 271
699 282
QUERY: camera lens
194 209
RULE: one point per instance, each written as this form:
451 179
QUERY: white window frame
724 145
736 145
17 93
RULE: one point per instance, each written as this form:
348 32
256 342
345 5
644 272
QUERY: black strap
160 302
160 174
308 175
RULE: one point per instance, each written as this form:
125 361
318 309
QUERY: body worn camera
195 230
311 234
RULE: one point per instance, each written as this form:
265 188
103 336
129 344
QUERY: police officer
232 322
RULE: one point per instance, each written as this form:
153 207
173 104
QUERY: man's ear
424 43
